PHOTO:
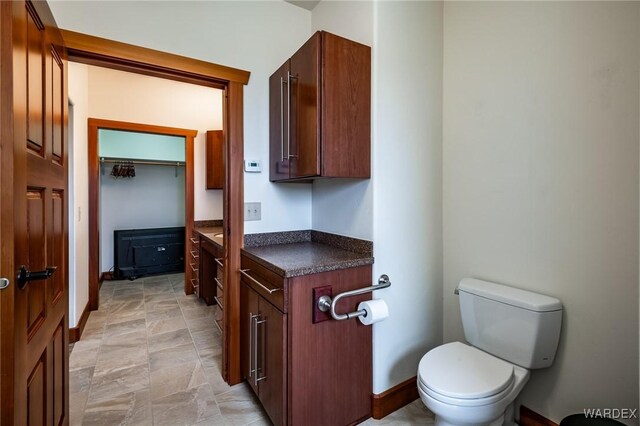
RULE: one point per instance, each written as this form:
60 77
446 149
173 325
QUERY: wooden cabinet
219 297
208 272
264 345
320 111
207 269
305 372
211 279
192 268
215 165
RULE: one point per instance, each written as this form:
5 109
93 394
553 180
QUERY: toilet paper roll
376 309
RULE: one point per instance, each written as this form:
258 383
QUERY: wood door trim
142 128
93 50
76 332
394 398
94 125
233 196
139 60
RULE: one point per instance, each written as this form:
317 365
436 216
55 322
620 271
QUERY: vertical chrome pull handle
255 349
282 82
251 349
260 361
289 77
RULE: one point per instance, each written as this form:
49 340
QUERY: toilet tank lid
511 296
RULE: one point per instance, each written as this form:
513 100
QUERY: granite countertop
307 252
209 232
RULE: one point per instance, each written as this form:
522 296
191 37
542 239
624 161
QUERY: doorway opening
91 50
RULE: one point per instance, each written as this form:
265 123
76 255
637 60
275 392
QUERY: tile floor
151 356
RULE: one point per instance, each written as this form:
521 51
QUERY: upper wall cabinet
320 112
215 165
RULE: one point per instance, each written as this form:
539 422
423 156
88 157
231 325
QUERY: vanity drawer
266 283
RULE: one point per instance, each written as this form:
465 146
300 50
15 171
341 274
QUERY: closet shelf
104 160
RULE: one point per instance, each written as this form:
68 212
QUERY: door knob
25 275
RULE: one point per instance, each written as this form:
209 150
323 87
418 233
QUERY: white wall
121 96
407 184
257 36
541 180
344 206
400 208
79 286
153 199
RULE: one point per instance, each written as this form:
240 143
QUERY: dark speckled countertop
209 232
296 253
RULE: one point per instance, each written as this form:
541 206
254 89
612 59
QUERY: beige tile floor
151 356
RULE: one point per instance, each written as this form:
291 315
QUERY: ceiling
305 4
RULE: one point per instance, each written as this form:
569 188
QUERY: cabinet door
272 359
305 109
248 350
215 169
279 124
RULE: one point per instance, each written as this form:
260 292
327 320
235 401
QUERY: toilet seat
463 375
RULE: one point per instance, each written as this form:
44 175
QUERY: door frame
94 125
98 51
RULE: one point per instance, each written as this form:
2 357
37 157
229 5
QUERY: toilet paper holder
325 303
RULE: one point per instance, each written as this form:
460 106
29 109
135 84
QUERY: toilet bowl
463 385
509 332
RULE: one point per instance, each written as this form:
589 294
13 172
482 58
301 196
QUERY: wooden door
272 361
305 109
279 130
37 366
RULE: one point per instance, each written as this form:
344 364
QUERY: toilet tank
516 325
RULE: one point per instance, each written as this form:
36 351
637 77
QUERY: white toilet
510 331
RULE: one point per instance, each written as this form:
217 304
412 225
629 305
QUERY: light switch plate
253 211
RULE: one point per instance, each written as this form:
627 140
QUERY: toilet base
507 419
497 422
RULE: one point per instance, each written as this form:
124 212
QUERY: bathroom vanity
304 366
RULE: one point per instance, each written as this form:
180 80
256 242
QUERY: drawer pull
192 268
195 254
268 290
194 241
219 262
218 326
193 284
219 302
218 282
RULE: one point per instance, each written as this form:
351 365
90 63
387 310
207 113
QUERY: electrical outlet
252 211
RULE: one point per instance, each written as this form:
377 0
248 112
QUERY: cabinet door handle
255 349
268 290
282 83
251 348
219 262
289 78
259 361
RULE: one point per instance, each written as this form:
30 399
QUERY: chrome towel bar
325 303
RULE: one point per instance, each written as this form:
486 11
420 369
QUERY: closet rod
147 162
